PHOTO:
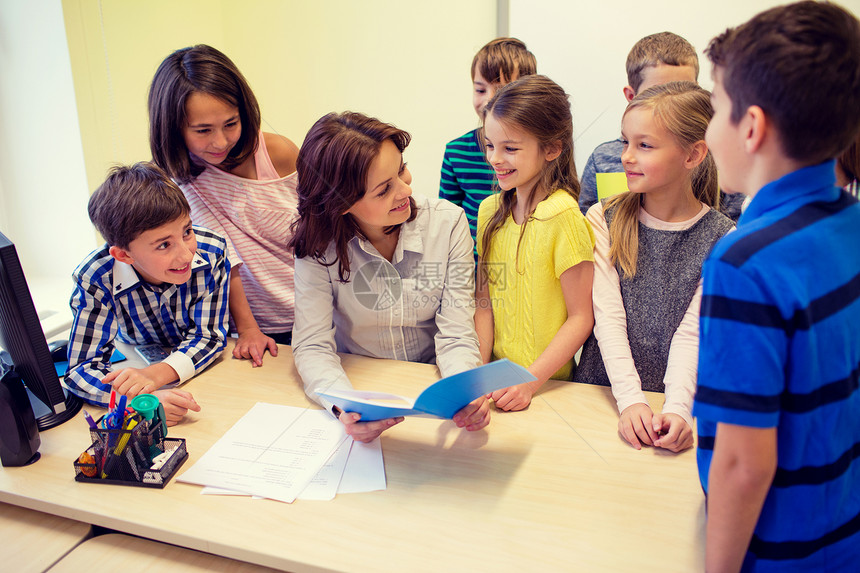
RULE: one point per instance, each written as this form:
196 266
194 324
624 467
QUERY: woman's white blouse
418 307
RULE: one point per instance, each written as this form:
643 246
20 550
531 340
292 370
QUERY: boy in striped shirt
157 280
466 178
779 353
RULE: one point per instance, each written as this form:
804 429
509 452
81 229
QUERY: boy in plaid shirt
157 280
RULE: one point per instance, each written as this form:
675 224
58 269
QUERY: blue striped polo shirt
780 348
466 179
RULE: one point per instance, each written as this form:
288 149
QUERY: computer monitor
22 337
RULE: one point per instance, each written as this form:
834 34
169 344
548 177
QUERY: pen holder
139 456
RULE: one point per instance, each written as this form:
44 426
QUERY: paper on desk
221 491
365 469
272 451
364 472
323 486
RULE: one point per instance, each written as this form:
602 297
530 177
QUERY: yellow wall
407 63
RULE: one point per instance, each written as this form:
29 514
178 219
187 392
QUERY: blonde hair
684 110
540 107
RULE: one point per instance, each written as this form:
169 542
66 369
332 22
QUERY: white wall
583 46
42 181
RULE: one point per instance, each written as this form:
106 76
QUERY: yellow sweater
528 305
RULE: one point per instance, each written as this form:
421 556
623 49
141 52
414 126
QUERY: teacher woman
377 272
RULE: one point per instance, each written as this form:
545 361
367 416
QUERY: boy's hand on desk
252 344
176 404
131 382
365 431
474 416
636 426
513 398
677 435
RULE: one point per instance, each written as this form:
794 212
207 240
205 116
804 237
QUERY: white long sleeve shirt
610 326
417 307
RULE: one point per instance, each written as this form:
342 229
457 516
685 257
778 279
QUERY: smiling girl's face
652 158
515 155
212 127
386 199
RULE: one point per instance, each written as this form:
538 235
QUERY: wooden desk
550 488
116 552
34 541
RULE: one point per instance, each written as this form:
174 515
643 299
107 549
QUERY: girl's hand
474 415
176 404
636 425
365 431
513 398
252 344
677 435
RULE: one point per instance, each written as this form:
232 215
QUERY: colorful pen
126 434
90 420
120 409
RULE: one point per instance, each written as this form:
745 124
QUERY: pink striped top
254 216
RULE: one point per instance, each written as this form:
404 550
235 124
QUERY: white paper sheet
272 451
365 469
324 485
221 491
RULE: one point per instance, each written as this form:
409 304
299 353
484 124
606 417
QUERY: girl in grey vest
651 243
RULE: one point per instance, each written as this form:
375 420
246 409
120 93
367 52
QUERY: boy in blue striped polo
778 404
466 178
157 280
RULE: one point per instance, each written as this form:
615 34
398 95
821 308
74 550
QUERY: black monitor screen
21 335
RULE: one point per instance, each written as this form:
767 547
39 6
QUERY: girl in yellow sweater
535 247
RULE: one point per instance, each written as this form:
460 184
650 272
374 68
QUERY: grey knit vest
668 267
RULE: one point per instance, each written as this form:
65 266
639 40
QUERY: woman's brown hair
332 170
684 110
201 69
540 107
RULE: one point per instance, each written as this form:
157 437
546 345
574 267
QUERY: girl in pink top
240 182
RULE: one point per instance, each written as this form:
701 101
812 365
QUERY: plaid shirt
111 301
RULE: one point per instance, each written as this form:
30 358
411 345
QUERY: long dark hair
332 170
202 69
